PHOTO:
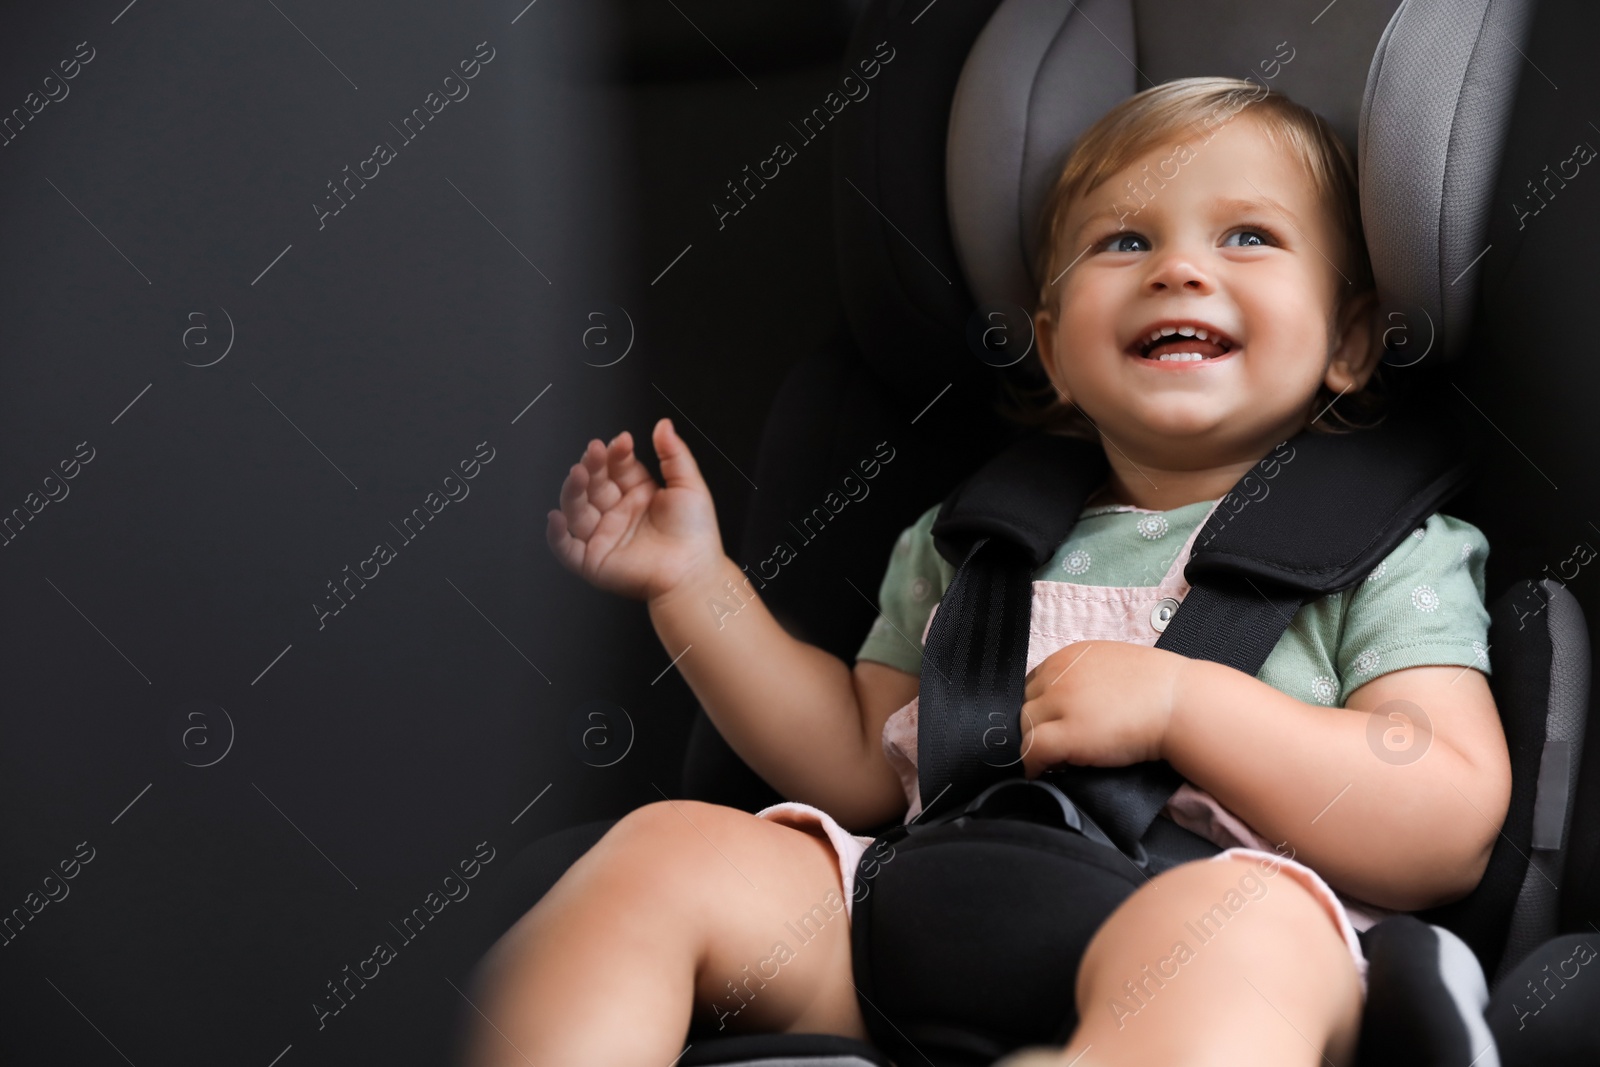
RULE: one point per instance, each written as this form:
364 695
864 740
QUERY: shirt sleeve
1423 605
916 578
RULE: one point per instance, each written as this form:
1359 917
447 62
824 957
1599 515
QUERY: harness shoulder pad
1029 494
1319 513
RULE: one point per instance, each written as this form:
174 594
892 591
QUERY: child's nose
1178 268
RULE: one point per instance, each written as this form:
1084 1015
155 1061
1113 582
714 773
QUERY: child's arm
1376 821
797 715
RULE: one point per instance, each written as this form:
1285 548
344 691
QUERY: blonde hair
1171 109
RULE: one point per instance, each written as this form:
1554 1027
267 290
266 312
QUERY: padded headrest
1433 127
1426 124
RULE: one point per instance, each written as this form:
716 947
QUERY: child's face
1204 247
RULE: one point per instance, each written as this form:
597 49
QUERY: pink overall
1064 612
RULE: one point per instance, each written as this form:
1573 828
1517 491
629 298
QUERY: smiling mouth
1182 344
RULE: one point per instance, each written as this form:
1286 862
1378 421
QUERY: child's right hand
620 531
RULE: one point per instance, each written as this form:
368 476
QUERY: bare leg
1266 979
683 911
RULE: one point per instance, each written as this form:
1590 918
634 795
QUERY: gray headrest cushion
1433 125
1038 75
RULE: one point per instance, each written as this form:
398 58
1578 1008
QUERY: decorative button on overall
1164 610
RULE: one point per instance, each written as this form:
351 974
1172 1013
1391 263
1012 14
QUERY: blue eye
1112 243
1265 237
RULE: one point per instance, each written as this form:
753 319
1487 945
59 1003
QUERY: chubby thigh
1228 956
683 912
765 906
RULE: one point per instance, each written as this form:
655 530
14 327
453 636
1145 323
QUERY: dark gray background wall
250 396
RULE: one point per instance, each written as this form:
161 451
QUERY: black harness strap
1313 518
1005 522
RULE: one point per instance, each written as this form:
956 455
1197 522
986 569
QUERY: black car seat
937 178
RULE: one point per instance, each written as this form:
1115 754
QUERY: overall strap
1312 518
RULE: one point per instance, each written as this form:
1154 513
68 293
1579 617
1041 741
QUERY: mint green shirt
1423 605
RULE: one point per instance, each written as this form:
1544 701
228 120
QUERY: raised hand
621 532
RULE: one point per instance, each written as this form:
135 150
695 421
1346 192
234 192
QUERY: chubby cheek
1287 325
1282 381
1083 318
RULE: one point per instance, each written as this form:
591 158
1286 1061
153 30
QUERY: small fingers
603 489
1038 733
568 549
614 470
594 456
577 494
575 488
1030 758
625 468
601 478
596 464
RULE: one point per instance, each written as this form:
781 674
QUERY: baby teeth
1179 357
1185 331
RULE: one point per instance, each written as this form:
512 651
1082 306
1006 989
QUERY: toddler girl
1205 295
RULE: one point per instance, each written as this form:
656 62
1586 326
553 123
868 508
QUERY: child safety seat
938 177
1010 903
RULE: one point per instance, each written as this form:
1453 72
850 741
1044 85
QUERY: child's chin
1185 421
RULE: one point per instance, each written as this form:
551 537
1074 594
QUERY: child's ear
1356 352
1044 339
1044 334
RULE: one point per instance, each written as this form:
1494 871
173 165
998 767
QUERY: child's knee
1281 912
1218 908
664 851
1185 950
668 829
